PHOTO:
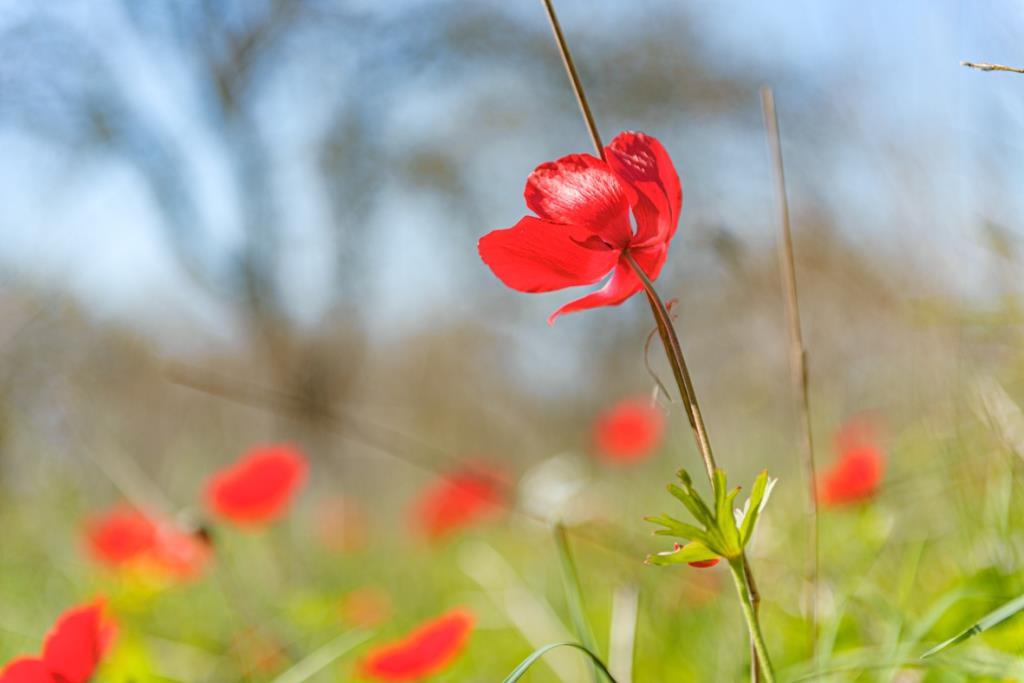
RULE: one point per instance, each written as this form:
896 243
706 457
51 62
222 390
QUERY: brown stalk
982 66
797 350
574 78
674 353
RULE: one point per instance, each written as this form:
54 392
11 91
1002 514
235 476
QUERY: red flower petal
641 162
580 189
539 256
259 486
629 431
704 564
858 471
425 651
458 500
75 646
623 284
26 670
127 538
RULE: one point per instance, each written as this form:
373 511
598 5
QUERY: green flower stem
739 576
674 353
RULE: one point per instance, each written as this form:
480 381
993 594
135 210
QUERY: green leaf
691 552
518 672
753 507
720 484
673 527
574 593
991 619
725 522
689 497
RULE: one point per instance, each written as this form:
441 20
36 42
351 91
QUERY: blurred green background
231 222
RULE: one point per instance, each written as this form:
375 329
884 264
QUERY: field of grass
933 549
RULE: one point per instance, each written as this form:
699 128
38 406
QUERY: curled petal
641 162
580 189
623 284
540 256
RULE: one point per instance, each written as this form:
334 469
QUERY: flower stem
673 351
749 594
741 577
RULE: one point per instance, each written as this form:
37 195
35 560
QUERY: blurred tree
189 94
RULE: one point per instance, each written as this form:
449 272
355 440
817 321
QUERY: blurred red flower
72 650
459 499
857 473
126 538
582 229
629 431
425 651
258 487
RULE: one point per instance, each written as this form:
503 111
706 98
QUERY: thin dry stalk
574 78
982 66
797 350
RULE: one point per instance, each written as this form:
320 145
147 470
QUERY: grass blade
574 594
518 672
323 657
993 618
622 634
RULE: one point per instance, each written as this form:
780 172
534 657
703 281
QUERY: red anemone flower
425 651
629 431
582 230
459 499
857 473
257 488
72 650
126 538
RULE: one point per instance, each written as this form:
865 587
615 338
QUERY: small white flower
741 514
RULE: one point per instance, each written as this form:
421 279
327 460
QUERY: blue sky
919 151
